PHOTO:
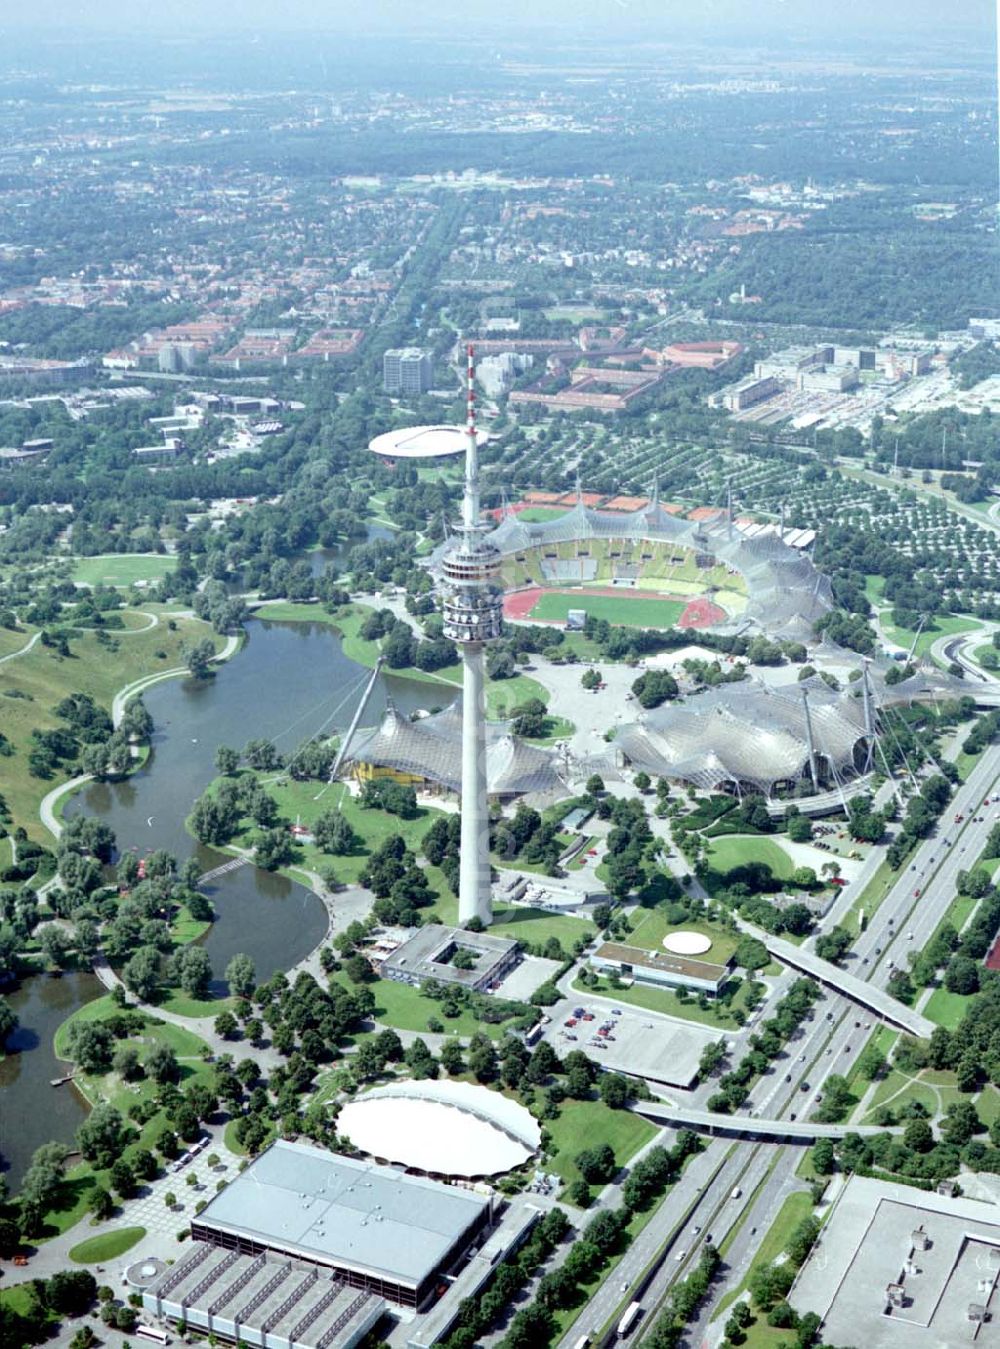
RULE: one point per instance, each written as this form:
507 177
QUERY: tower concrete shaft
474 892
473 616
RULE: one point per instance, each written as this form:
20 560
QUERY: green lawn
988 650
934 1090
535 515
737 850
988 1105
537 925
106 1246
651 926
626 611
174 1000
504 694
43 678
943 625
582 1124
122 569
874 587
882 1038
947 1009
306 801
406 1008
663 1000
870 898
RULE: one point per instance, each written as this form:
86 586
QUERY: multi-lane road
904 921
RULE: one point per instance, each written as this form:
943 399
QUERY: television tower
473 614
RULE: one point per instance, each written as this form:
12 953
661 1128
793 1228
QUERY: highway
827 1043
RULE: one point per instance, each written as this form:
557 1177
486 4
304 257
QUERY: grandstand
756 583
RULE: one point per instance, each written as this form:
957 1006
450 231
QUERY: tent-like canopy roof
431 748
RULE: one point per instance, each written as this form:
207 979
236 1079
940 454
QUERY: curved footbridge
849 986
747 1126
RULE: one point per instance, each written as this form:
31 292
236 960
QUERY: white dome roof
445 1128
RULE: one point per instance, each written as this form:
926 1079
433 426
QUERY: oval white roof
687 943
447 1128
423 442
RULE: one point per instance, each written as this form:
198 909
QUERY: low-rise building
376 1230
661 969
450 955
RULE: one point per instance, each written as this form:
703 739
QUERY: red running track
698 613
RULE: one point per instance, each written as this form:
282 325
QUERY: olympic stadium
716 575
708 571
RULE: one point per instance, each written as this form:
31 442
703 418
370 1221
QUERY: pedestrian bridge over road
849 986
746 1126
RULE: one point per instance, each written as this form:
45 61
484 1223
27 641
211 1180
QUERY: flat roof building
406 370
377 1229
899 1268
484 961
660 968
746 392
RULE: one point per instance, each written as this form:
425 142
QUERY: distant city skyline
630 18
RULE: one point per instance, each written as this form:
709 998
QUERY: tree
960 1123
241 976
141 973
272 849
918 1135
962 975
8 1021
55 943
751 953
590 679
162 1065
71 1292
482 1059
192 969
614 1090
823 1157
90 1045
126 1064
102 1135
596 1165
198 658
123 1178
334 834
655 687
102 1204
799 829
227 760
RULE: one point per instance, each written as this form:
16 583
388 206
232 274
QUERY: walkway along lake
283 685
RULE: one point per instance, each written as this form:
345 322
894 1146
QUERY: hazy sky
630 17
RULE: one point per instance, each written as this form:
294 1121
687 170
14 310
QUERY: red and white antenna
470 504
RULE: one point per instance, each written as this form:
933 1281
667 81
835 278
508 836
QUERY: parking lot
629 1040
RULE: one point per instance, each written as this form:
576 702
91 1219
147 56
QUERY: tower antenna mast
473 616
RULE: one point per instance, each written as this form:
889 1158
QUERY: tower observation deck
473 615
